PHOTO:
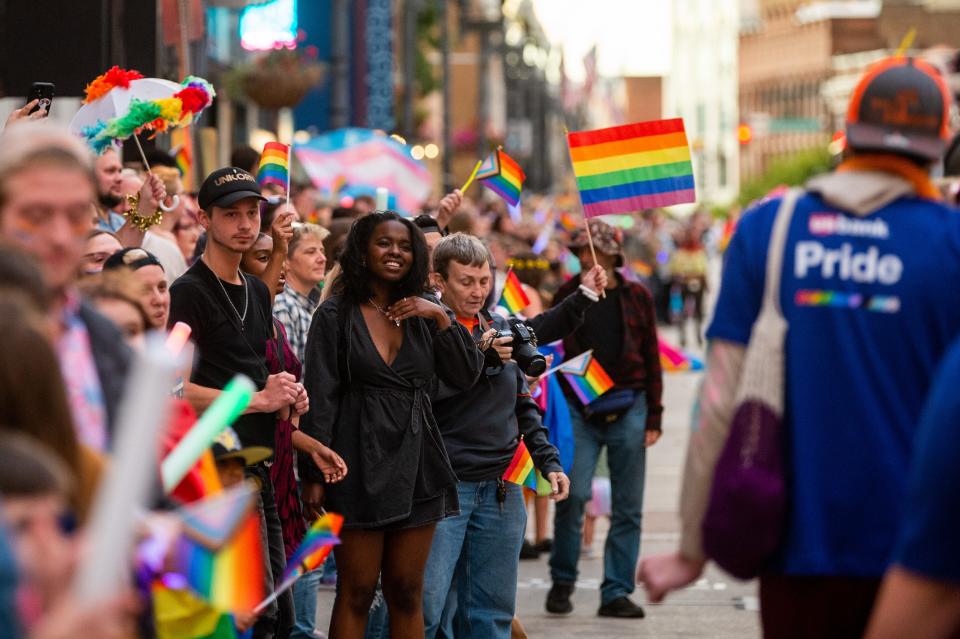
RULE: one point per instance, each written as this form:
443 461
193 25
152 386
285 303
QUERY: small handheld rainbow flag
502 175
274 165
628 168
320 539
521 471
513 298
231 578
586 377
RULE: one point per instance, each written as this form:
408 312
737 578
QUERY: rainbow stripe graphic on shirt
837 299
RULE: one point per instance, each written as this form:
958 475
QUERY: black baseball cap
901 106
134 258
226 186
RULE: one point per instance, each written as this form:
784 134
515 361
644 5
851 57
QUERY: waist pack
610 406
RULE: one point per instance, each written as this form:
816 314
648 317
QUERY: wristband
589 294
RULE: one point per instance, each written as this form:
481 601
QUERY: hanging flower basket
280 78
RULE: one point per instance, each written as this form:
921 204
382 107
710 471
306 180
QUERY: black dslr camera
525 352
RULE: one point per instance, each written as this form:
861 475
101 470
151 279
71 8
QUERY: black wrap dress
378 417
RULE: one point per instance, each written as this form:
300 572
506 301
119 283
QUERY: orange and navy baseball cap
901 106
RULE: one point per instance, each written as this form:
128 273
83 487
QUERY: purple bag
746 513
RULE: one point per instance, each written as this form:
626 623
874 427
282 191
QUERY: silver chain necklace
383 312
246 297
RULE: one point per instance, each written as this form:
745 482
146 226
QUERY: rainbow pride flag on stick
513 298
274 165
628 168
521 471
586 377
231 578
502 175
320 539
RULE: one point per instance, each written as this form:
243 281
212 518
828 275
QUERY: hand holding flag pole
586 220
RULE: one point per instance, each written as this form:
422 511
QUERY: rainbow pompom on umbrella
122 103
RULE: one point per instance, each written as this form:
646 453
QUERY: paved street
716 607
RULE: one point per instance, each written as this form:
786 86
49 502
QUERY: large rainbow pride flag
628 168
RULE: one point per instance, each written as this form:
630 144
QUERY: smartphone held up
43 93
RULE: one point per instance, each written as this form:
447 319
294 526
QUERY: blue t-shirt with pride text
872 304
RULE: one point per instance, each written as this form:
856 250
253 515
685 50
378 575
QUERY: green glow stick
221 413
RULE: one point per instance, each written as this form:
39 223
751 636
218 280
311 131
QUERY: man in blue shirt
921 594
866 251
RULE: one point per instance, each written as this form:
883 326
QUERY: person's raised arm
281 231
448 206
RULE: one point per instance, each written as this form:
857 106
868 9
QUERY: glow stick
178 337
125 490
221 413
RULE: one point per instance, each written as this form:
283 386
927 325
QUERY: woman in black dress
375 350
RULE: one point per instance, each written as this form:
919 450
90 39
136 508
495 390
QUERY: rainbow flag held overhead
586 377
229 579
274 165
502 175
628 168
320 539
521 470
513 298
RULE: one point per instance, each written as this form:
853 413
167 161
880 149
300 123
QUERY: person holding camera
470 581
621 330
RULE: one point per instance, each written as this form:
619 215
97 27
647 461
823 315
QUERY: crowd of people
393 389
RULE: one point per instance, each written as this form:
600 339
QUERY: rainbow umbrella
122 103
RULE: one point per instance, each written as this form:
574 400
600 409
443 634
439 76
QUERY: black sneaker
558 599
545 546
529 551
622 608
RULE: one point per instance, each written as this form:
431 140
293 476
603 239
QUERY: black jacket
562 320
481 427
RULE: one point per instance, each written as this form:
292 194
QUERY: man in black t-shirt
230 317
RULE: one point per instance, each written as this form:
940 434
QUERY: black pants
277 620
822 607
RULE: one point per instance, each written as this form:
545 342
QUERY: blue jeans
626 456
470 582
305 605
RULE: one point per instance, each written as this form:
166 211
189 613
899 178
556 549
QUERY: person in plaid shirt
621 329
305 266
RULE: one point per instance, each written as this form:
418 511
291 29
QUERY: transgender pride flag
362 158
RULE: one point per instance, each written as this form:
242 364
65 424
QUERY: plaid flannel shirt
295 311
640 365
